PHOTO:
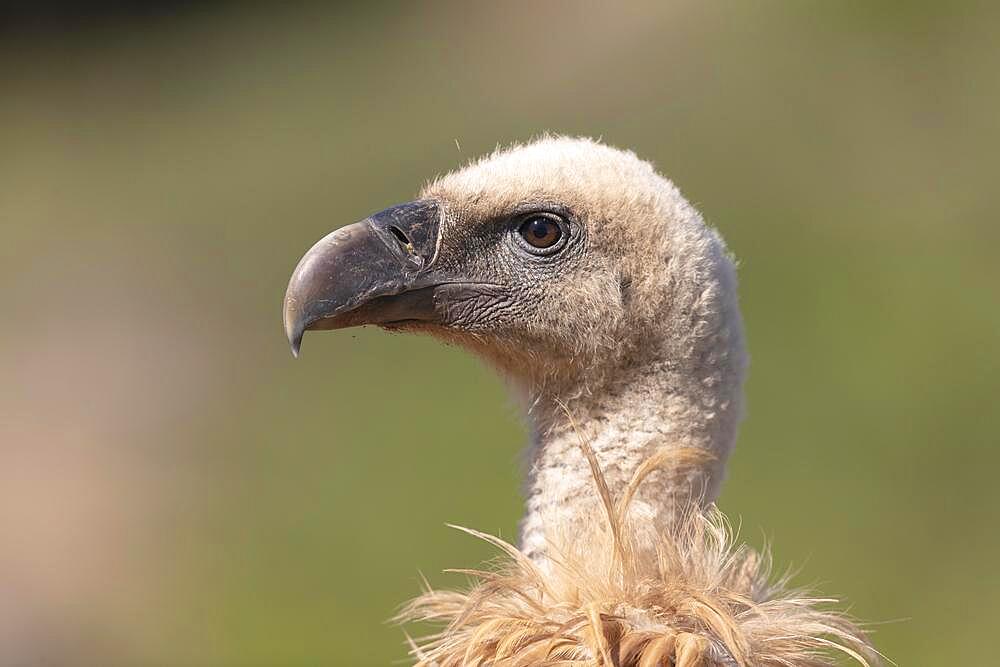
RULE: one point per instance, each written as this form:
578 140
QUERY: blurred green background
176 490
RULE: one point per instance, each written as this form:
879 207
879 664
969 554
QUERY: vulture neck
649 405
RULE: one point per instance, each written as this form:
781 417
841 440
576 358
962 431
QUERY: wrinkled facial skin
534 314
513 280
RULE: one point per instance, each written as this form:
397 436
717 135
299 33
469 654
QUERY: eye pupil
541 231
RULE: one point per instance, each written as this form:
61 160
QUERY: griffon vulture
597 290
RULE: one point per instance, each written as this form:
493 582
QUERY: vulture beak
377 271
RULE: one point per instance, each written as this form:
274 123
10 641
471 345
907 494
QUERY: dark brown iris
540 231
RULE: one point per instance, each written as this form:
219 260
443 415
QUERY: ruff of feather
618 594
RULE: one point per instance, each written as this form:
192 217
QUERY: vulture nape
600 294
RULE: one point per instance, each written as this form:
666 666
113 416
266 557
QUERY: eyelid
520 218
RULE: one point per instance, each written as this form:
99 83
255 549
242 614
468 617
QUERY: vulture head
568 264
593 286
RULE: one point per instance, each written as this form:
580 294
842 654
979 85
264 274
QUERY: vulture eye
540 231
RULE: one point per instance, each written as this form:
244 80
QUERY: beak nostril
400 236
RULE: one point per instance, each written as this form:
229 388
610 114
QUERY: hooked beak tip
294 331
